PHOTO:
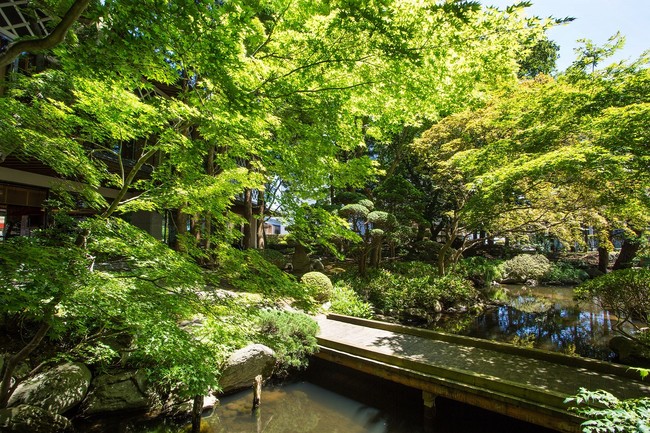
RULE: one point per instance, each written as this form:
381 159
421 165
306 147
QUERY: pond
332 399
545 317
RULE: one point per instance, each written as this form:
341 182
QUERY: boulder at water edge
25 418
243 365
56 390
117 392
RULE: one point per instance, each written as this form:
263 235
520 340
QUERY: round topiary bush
275 257
318 285
526 267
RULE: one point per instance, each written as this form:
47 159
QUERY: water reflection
547 315
300 408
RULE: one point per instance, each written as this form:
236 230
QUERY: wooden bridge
527 384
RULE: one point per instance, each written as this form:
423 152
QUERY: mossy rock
319 286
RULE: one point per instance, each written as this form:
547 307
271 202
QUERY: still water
305 407
298 408
546 317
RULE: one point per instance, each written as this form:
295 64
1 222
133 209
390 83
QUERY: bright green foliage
275 257
311 225
608 414
526 267
549 157
248 271
626 293
409 285
480 270
564 273
540 60
318 286
346 301
291 335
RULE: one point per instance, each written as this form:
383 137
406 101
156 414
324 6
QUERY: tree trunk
628 253
197 408
363 258
248 216
436 229
603 259
180 223
420 234
261 240
375 251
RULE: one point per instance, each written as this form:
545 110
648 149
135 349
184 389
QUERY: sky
596 20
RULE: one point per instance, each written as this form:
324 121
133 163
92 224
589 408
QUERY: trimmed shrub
368 204
291 335
409 285
526 267
347 301
318 286
354 210
564 273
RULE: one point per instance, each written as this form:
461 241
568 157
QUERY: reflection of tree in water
286 411
563 328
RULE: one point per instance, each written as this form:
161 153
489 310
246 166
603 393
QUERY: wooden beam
514 407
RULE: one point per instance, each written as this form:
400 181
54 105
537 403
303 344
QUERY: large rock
117 392
184 409
25 418
243 365
56 390
628 351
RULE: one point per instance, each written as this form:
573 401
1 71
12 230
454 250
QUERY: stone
124 391
184 409
57 390
243 365
26 418
317 265
628 351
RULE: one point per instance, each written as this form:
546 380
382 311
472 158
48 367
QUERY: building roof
19 19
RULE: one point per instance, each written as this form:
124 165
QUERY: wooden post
257 391
429 410
197 408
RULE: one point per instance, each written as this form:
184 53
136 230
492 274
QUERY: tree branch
57 35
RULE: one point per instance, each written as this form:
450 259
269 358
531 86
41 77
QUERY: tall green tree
548 156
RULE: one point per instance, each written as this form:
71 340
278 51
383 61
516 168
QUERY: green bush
248 271
275 257
606 413
626 293
526 267
403 286
318 286
564 273
346 301
291 335
480 270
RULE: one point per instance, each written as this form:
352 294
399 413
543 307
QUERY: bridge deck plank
533 373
